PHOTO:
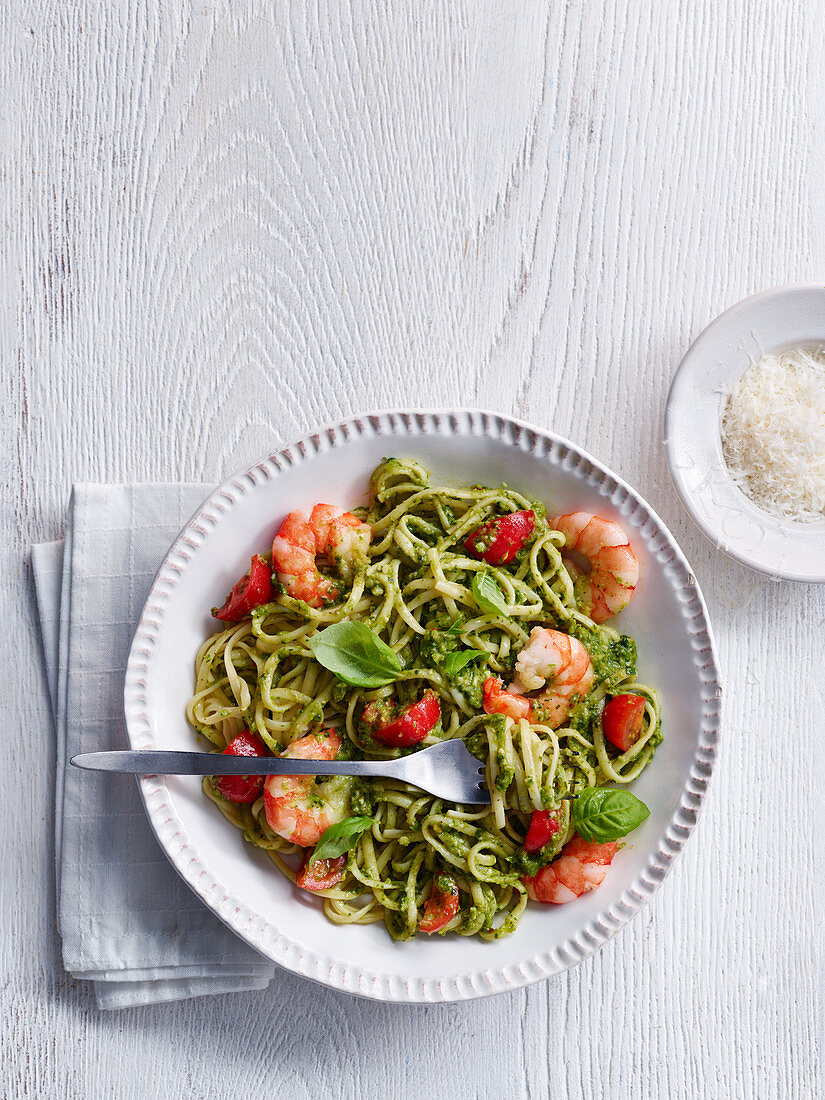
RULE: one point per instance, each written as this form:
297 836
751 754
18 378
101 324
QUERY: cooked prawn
612 569
339 535
343 537
499 701
556 662
580 868
299 808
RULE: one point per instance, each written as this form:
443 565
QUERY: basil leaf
356 655
458 659
456 628
601 814
339 838
488 595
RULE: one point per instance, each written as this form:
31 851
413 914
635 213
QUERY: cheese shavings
773 434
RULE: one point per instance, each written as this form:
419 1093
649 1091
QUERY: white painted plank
226 222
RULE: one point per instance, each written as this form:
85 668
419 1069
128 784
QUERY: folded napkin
126 920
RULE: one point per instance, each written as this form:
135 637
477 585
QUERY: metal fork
447 770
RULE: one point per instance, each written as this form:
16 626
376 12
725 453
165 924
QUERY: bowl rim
261 932
768 525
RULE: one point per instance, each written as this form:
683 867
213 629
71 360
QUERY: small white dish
773 321
667 617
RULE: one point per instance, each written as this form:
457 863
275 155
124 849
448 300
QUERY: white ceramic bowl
667 617
770 322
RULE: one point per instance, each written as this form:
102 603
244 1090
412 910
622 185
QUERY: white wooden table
226 223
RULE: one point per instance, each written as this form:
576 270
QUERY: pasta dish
433 612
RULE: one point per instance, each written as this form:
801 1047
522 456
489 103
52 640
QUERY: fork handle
167 762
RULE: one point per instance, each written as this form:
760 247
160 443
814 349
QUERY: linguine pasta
415 590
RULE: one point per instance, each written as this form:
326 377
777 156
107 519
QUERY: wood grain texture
225 223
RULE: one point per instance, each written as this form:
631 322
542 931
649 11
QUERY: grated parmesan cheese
773 434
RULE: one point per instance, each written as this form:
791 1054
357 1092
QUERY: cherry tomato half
441 906
623 720
410 727
499 540
253 589
544 825
242 788
323 874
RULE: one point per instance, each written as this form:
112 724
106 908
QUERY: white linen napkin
126 920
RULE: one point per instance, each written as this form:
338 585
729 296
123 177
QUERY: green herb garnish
488 595
458 659
602 814
356 655
339 838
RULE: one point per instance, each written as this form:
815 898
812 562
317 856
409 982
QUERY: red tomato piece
322 875
543 827
441 906
253 589
242 788
623 720
499 540
410 727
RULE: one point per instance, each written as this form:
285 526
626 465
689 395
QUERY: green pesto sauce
613 659
362 798
584 714
448 513
530 863
470 681
444 883
435 647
